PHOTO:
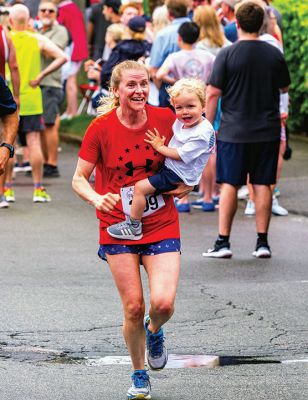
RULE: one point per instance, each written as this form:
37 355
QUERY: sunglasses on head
43 10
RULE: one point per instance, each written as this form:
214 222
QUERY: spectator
96 31
29 46
132 47
52 89
228 12
248 76
166 42
211 37
72 18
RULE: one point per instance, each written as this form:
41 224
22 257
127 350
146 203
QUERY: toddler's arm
157 142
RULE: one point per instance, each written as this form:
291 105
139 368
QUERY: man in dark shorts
248 76
52 88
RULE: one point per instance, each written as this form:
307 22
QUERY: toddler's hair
190 85
116 31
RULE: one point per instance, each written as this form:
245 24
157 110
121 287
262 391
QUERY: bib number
153 202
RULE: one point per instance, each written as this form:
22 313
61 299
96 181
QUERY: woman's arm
84 190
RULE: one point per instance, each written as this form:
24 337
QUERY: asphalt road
59 307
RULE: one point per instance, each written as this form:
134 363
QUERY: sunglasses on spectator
43 10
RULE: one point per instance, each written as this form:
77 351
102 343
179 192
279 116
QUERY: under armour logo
130 167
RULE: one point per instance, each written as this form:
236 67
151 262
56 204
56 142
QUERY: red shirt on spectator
71 17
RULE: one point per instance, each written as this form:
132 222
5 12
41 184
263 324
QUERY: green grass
77 125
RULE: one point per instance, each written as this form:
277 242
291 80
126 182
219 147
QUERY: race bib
153 202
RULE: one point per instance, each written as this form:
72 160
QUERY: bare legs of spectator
50 142
71 96
250 209
228 207
36 155
263 201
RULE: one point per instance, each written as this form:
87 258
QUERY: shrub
295 34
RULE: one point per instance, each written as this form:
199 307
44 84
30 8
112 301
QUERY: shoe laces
156 343
141 379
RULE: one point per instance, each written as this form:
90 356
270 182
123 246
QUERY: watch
10 147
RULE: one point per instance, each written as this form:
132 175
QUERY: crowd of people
190 95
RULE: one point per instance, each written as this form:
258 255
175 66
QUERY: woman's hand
181 190
155 140
106 202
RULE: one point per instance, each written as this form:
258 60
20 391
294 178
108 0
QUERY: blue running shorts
148 249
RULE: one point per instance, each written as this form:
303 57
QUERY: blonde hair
210 29
135 35
110 102
160 18
190 85
116 32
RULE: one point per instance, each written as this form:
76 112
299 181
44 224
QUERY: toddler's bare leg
142 188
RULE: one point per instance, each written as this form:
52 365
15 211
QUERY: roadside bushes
295 35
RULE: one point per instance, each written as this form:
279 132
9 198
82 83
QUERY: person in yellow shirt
29 47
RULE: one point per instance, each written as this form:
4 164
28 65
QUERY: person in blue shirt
166 42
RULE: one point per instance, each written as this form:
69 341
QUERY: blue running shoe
183 208
208 207
157 355
141 386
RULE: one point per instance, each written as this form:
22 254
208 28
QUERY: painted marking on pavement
174 361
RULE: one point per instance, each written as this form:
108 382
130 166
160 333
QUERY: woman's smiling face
133 90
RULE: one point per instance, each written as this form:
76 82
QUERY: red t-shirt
122 158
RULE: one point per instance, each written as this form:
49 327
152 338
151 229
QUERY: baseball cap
137 24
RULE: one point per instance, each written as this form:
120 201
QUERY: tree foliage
295 35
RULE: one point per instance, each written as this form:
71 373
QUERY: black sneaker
220 250
262 250
51 171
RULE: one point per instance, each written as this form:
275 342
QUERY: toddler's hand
154 138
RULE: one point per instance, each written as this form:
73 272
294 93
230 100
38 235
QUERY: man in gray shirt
52 88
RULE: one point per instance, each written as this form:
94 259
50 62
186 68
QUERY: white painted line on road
304 281
174 361
294 361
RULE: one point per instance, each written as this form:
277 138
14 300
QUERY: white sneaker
243 193
3 203
277 209
262 252
250 209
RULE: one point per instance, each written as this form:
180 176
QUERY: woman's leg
125 270
163 272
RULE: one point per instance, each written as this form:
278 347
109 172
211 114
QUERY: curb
299 138
70 138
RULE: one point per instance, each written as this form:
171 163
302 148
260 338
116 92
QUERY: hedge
295 36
